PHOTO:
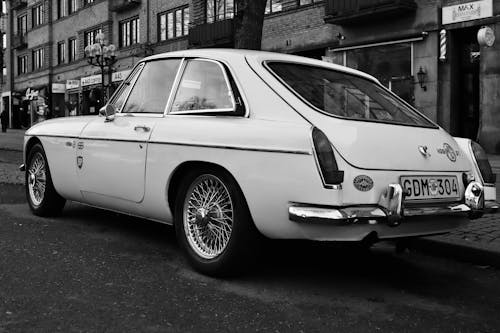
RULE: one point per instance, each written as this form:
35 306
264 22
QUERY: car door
111 154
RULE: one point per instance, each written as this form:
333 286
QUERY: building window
61 53
4 41
22 64
274 6
218 10
61 8
22 24
37 13
174 24
72 49
37 59
72 6
87 2
90 37
129 32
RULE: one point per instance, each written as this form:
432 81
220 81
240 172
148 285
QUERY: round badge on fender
363 183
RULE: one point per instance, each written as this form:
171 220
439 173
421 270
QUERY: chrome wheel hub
208 216
36 179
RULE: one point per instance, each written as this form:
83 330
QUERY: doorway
466 84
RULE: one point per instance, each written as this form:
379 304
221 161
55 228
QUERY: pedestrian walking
4 120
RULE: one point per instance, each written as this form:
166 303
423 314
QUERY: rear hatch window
346 95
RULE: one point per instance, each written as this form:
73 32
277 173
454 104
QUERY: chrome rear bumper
390 209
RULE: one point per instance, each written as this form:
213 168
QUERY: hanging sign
90 80
467 11
486 37
120 76
31 94
72 84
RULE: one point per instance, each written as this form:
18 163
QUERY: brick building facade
394 40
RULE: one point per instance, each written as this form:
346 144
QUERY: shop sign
31 94
90 80
120 76
58 88
467 11
72 84
486 37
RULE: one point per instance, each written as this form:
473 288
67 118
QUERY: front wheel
213 223
40 192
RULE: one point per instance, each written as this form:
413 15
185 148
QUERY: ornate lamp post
102 55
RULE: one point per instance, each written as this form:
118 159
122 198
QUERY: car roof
257 56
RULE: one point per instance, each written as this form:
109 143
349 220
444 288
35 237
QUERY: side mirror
108 111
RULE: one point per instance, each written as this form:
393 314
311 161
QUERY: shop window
390 64
37 15
72 6
218 10
22 64
90 37
152 88
22 24
173 24
37 59
61 53
203 88
72 49
129 32
274 6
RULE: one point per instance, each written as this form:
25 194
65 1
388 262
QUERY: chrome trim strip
284 151
175 86
437 210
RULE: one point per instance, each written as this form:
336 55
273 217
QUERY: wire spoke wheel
37 176
208 216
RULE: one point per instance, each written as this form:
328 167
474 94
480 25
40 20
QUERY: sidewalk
479 242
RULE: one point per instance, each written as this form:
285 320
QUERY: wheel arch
182 169
31 142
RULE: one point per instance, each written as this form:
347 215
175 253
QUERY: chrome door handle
142 127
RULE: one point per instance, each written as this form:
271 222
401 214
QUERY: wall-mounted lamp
422 76
340 36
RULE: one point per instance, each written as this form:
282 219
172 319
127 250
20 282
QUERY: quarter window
203 87
152 88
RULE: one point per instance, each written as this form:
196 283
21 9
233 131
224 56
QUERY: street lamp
102 55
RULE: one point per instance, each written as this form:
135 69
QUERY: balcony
345 12
219 33
123 5
16 4
19 41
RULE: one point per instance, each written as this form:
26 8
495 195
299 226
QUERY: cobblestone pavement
481 235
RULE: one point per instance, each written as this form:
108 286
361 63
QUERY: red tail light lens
330 173
483 163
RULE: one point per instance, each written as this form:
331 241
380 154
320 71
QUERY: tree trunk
248 24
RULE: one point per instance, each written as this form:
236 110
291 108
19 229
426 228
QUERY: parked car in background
230 145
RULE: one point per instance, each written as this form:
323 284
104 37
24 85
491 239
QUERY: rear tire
213 223
40 192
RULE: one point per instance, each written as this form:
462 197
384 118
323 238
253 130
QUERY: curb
11 149
457 251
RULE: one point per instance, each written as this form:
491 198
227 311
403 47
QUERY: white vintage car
229 145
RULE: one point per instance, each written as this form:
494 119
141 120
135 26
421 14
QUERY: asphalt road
95 271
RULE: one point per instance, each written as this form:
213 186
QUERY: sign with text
467 11
90 80
58 88
72 84
120 76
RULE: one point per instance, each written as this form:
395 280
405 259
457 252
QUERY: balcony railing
16 4
212 34
19 41
123 5
353 11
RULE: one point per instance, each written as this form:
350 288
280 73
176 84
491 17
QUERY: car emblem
433 186
448 151
423 151
363 183
79 161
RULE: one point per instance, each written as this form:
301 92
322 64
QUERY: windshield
346 95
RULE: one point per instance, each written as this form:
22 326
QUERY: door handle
142 127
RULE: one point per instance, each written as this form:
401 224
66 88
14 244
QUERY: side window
203 87
151 90
120 96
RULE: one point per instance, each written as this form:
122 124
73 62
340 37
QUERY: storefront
58 103
92 97
73 97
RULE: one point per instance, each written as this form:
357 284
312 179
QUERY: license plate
430 187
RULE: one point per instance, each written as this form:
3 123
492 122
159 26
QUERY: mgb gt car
230 145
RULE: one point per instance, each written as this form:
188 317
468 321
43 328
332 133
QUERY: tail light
330 173
482 163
